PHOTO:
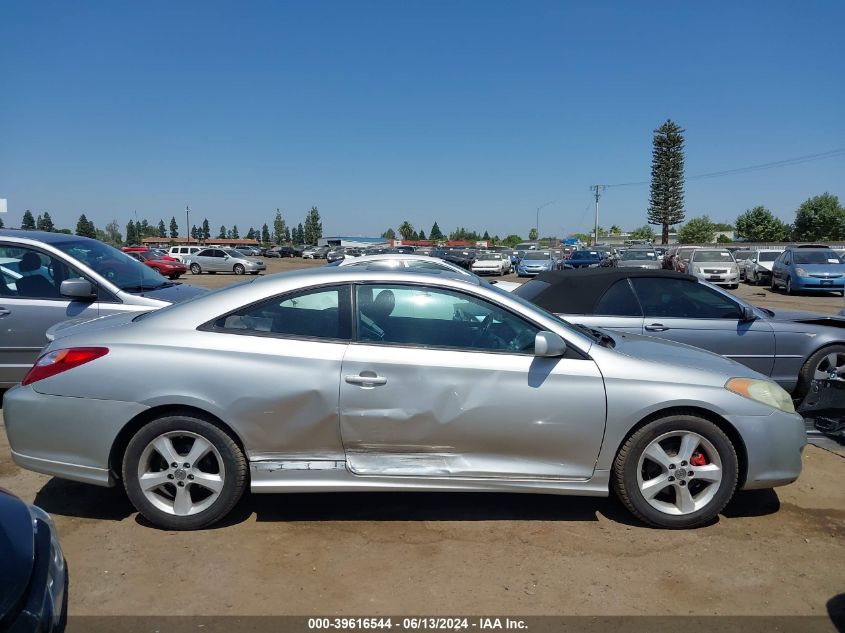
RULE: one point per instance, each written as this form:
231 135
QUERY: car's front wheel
788 286
676 472
195 269
183 473
239 269
828 363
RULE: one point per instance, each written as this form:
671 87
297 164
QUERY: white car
388 261
490 264
758 267
716 265
308 252
182 253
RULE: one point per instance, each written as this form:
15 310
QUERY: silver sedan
342 379
224 260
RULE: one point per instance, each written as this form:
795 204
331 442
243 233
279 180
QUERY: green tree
235 234
583 237
512 240
435 233
723 226
85 228
162 230
112 233
222 234
300 234
723 239
666 202
697 231
131 234
644 232
45 223
206 229
174 228
28 222
615 230
406 229
760 225
313 226
278 228
422 235
265 234
532 235
250 235
486 236
196 233
389 234
820 218
287 234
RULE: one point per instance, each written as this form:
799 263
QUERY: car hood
173 293
800 316
17 551
666 352
821 269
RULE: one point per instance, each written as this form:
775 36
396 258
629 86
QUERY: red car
169 267
143 249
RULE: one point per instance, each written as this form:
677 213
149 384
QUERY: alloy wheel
679 472
831 367
181 473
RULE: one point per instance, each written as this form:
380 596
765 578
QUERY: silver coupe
343 379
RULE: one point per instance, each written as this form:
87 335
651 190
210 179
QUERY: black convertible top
578 291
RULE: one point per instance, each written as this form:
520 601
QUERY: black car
33 572
589 259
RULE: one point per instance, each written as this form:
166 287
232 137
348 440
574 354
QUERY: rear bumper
773 444
65 437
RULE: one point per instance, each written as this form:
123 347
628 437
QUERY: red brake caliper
698 459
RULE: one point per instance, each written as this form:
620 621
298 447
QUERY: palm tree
406 229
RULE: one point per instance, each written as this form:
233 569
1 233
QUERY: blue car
809 270
536 262
587 259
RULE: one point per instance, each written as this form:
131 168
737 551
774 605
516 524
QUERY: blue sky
471 113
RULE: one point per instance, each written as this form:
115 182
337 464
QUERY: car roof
578 291
47 237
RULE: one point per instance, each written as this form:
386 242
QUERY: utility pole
537 223
598 189
187 223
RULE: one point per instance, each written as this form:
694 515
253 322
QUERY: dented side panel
445 413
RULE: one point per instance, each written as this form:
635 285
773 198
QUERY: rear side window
530 290
682 299
619 300
321 313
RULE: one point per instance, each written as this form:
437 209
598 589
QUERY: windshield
489 257
536 255
768 256
119 268
640 255
712 256
816 257
586 255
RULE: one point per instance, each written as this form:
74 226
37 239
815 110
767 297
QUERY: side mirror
548 345
748 314
79 289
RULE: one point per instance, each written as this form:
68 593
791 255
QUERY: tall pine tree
206 230
174 228
435 233
85 228
162 231
28 222
666 202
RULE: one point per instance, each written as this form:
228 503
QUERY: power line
798 160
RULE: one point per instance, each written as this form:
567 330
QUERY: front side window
316 313
425 317
31 274
619 300
678 298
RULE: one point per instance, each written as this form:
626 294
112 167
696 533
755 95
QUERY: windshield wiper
142 287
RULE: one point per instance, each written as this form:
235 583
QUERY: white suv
183 252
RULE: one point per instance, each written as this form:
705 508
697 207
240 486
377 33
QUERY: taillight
60 360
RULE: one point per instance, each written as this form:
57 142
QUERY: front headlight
763 391
696 269
734 269
801 272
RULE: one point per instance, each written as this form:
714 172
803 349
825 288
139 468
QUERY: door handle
4 312
366 381
656 327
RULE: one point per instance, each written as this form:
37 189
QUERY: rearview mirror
548 345
748 313
80 289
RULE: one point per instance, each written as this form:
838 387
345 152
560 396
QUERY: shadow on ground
72 499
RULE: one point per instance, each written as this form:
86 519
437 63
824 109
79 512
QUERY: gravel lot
773 552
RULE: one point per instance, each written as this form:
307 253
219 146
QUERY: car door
698 314
779 268
618 309
441 383
30 303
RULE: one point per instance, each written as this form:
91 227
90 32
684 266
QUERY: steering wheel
484 329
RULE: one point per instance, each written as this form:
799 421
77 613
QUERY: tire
772 285
788 287
222 465
821 360
176 276
195 269
633 469
239 269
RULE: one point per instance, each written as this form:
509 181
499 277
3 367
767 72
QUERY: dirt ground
772 552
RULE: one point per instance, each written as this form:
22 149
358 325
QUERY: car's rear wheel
183 473
239 269
195 269
828 363
676 472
